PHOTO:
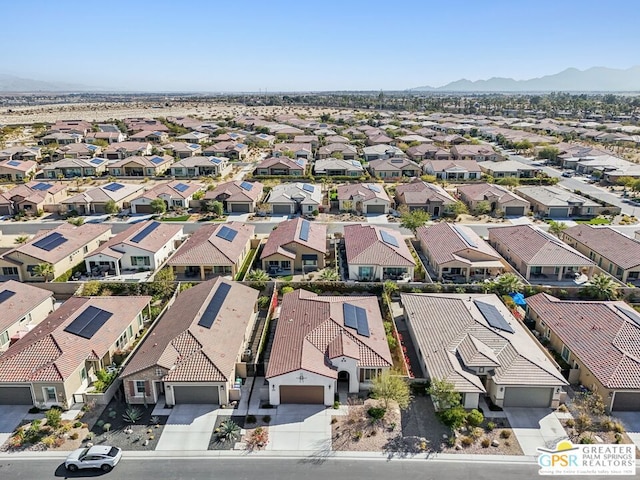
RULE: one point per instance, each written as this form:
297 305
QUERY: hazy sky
208 45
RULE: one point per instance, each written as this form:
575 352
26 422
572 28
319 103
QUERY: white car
98 456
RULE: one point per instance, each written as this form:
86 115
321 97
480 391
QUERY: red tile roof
608 243
26 297
153 242
364 246
235 192
286 236
446 242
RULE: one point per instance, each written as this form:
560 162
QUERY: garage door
558 212
301 394
240 208
375 208
514 211
626 402
527 397
196 394
143 209
282 209
15 396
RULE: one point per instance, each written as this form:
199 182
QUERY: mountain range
13 84
596 79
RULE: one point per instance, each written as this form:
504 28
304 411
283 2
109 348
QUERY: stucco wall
293 379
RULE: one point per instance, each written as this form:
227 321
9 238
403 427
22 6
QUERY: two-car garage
531 397
313 394
626 402
15 395
205 394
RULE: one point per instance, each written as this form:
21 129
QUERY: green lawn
596 221
182 218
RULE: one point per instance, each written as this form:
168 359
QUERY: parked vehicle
101 457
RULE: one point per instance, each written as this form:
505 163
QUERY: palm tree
329 275
506 284
21 239
556 228
602 287
257 276
43 270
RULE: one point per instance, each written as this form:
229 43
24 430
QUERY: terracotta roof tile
608 243
364 246
286 236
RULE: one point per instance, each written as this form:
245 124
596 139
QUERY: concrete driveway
10 417
301 428
377 218
535 427
631 421
189 427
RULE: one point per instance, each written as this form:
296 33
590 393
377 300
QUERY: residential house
340 167
381 152
61 138
323 344
426 151
76 150
499 198
456 252
479 153
21 153
452 169
556 202
197 350
200 166
175 195
182 149
482 350
291 198
296 245
63 248
363 198
281 166
264 137
33 197
331 139
193 137
613 251
213 250
95 200
348 152
81 127
110 136
17 171
420 195
23 308
142 246
374 254
509 168
380 139
538 255
236 196
233 150
414 138
151 136
297 150
75 167
147 124
395 167
135 166
120 150
310 139
56 363
598 343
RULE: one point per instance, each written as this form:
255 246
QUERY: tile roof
153 242
364 246
451 165
287 192
362 190
419 192
605 340
287 162
608 243
235 192
490 191
26 297
447 341
536 247
284 238
198 161
307 334
550 196
102 195
48 353
19 165
190 352
169 189
143 161
398 163
446 242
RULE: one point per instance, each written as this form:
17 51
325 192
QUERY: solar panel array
493 316
397 160
96 161
216 160
215 304
467 239
42 186
6 294
88 322
304 230
157 160
50 242
113 187
373 188
227 234
14 163
308 187
300 162
356 318
181 187
141 235
389 239
246 186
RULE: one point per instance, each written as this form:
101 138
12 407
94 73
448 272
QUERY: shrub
106 427
34 410
587 440
466 441
266 419
336 405
334 420
490 426
570 422
74 436
263 301
132 415
475 418
618 427
49 441
476 433
583 422
505 434
58 442
228 431
377 413
453 417
357 435
54 417
77 424
485 443
285 290
607 425
251 419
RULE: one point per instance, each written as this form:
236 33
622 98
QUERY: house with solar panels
231 149
394 167
199 166
120 150
338 166
292 198
324 345
213 251
55 364
420 195
282 166
94 200
193 137
473 342
176 194
76 167
376 254
33 197
236 196
296 245
152 166
17 171
298 150
144 246
152 136
347 151
76 150
23 308
182 149
63 247
196 352
363 198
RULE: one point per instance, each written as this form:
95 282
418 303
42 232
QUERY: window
4 337
130 331
140 388
565 353
49 394
9 270
368 374
480 369
140 261
83 374
140 320
85 249
159 372
122 341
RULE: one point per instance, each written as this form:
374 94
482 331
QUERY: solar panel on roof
493 316
631 315
349 312
308 188
227 234
88 322
240 145
181 187
215 160
356 318
42 186
96 161
212 310
246 186
374 188
50 242
145 231
389 239
304 230
467 239
363 322
300 162
14 163
396 160
157 160
6 294
113 187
